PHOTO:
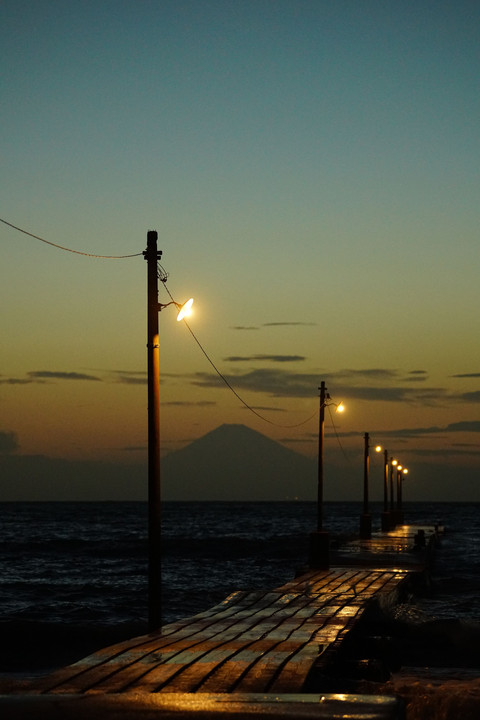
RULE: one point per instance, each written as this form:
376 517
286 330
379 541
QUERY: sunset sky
312 170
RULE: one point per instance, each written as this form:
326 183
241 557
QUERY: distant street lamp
365 517
386 519
319 540
152 256
401 471
393 463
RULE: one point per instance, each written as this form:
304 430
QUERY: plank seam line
215 646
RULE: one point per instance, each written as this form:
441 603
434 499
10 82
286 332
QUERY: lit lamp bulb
378 448
405 471
340 407
185 310
394 462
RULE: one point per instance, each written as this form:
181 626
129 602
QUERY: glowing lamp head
405 471
378 448
394 462
185 310
340 407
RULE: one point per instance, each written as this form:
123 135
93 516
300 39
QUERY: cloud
265 358
289 324
416 376
275 383
376 373
272 324
132 379
470 397
18 381
462 426
264 408
444 452
342 385
8 441
188 403
54 375
466 375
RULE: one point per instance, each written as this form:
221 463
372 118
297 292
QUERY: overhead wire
61 247
162 275
225 380
337 435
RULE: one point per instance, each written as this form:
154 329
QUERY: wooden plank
91 670
262 634
253 641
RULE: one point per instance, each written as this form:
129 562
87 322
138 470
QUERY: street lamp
365 517
393 463
386 519
152 256
319 542
401 471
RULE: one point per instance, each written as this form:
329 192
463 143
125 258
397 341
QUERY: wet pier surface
257 652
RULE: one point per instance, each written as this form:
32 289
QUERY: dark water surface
73 576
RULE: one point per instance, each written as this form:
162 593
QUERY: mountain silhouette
234 462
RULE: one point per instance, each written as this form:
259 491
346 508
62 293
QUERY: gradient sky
312 170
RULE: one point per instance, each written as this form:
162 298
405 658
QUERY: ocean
73 576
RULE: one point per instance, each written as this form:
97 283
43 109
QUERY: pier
257 652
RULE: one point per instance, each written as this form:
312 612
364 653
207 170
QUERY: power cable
61 247
227 383
337 436
162 275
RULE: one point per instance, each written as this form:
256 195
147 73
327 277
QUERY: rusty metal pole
366 518
321 436
392 508
152 255
385 513
319 556
365 473
398 519
400 502
385 481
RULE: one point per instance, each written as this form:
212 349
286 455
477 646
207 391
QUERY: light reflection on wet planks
254 642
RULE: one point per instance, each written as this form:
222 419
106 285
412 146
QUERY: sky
312 171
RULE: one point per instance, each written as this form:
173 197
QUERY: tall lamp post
152 256
319 541
365 517
386 520
393 463
401 471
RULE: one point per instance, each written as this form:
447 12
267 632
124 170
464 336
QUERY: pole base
319 557
365 526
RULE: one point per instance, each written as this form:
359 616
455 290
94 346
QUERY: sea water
73 576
